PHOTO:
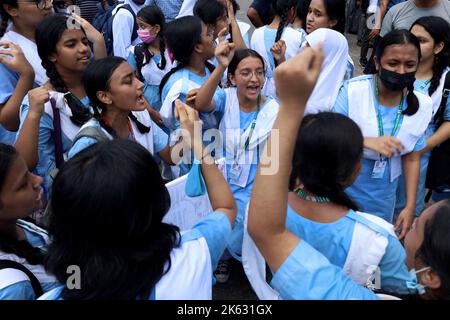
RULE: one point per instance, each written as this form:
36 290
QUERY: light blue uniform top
215 229
307 275
333 240
23 290
160 140
151 92
421 86
8 84
375 196
46 145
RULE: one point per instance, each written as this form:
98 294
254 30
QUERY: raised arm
295 80
235 30
95 37
224 53
10 111
219 193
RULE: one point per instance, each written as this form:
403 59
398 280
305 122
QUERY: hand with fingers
404 222
373 34
37 98
295 79
278 51
190 124
387 146
230 11
191 96
224 51
17 61
91 33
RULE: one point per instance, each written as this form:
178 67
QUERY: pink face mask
145 36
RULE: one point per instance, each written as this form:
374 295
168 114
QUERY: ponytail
412 101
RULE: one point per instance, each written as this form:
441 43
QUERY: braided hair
321 137
48 34
399 37
9 244
97 78
439 30
281 8
154 16
182 35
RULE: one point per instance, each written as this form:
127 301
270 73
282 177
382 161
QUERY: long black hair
9 244
181 37
399 37
302 10
107 207
97 78
328 149
336 11
281 8
439 29
47 35
435 248
4 16
153 15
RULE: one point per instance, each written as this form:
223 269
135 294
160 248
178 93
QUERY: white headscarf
134 6
335 50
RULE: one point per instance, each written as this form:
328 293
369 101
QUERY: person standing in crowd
403 15
434 36
393 118
20 66
171 8
299 270
52 114
259 13
22 243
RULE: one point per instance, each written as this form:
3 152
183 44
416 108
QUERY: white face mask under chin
413 283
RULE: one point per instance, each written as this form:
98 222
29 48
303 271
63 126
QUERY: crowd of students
89 138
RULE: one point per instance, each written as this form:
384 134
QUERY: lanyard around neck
398 117
128 123
252 128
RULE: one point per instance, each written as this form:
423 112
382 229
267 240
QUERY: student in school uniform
52 114
120 110
124 26
134 255
263 39
20 66
300 271
329 14
192 45
150 58
22 243
393 118
434 36
246 119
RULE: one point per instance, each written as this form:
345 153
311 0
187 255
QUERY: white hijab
335 49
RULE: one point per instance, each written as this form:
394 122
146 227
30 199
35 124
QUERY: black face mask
396 81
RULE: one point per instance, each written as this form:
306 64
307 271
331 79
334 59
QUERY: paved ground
238 286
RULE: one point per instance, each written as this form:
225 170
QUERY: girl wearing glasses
52 114
246 118
20 64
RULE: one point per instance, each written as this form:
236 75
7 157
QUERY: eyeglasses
247 74
41 4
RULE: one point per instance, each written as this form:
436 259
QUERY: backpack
438 172
9 264
103 22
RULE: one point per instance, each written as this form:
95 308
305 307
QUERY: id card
378 169
235 172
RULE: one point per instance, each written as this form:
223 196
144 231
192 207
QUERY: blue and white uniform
14 284
423 86
262 40
154 141
122 28
375 188
46 145
241 162
192 263
152 75
177 87
10 78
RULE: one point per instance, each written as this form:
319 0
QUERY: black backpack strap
9 264
439 117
